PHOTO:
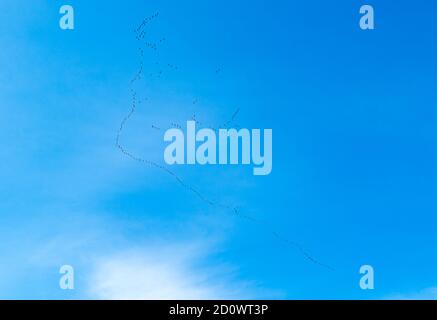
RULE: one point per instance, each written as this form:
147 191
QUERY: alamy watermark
67 20
230 146
367 281
367 21
66 282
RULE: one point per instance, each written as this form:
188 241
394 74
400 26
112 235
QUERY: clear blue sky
353 114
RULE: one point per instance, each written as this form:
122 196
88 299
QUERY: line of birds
234 210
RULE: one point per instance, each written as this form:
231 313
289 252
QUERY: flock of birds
140 35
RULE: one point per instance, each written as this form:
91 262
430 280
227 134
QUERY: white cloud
165 272
425 294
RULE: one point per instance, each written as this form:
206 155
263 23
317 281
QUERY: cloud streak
167 272
425 294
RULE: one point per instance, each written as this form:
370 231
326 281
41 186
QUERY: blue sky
354 120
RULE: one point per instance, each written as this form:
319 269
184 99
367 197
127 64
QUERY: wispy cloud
166 272
425 294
